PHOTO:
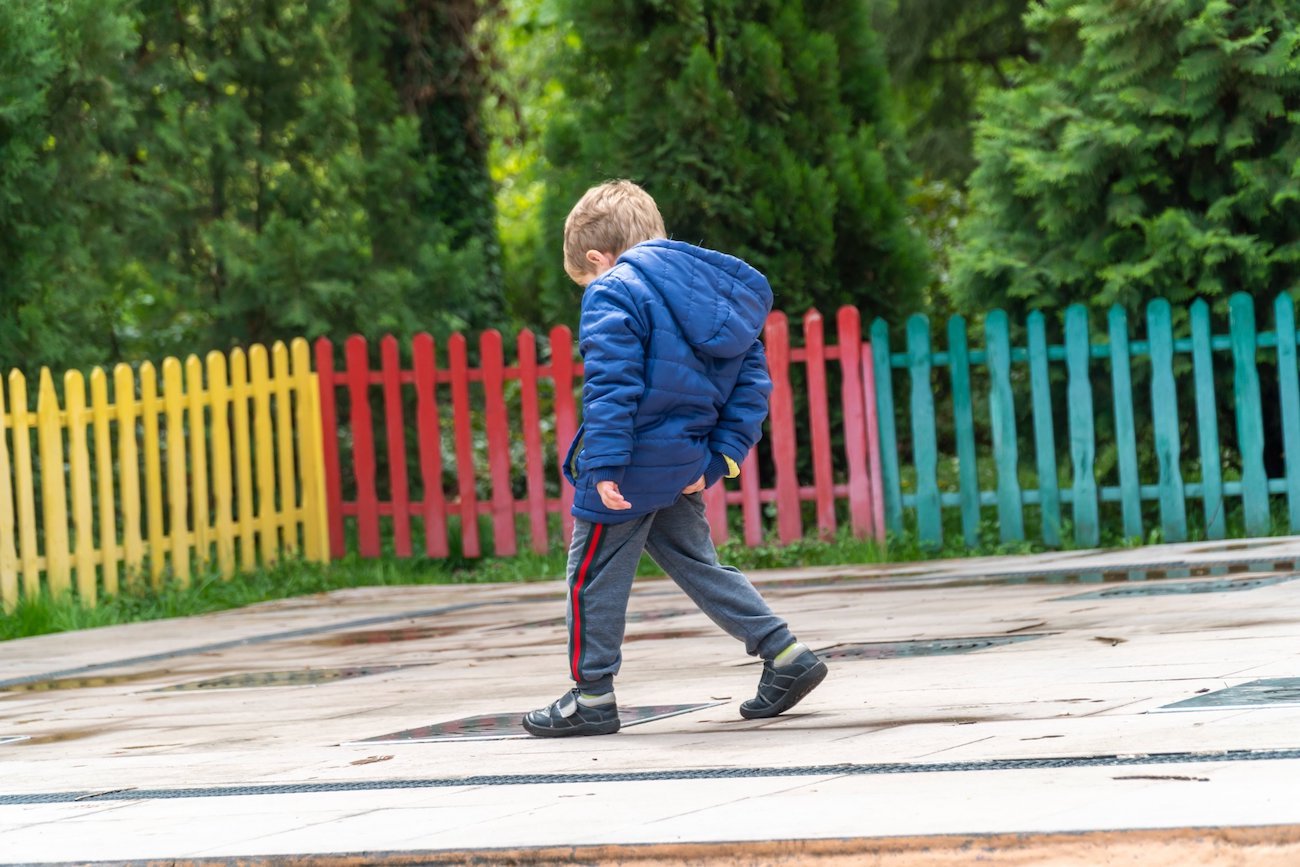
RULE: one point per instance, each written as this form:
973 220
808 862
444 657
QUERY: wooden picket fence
237 459
221 467
487 423
1032 374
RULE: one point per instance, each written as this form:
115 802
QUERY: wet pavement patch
1183 588
386 636
64 736
1109 574
923 647
1267 693
303 677
87 682
632 617
504 726
664 635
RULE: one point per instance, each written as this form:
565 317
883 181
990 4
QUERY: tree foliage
1154 151
942 55
62 117
761 128
182 175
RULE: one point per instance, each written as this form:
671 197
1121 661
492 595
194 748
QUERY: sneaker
780 689
567 716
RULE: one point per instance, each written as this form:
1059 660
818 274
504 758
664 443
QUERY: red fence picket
497 437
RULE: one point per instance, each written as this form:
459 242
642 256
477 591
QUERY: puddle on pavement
60 737
303 677
1181 589
664 635
87 682
386 636
1108 575
923 647
632 617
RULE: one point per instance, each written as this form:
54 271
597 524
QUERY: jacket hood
720 302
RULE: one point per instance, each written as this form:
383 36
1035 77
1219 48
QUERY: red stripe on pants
576 601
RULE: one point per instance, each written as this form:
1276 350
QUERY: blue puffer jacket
675 375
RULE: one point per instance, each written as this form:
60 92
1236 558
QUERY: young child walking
675 393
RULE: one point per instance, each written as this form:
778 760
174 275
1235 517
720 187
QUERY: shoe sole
575 731
803 684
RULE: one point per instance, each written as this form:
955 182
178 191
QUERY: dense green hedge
179 176
1152 151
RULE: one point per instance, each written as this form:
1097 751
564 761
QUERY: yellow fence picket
195 398
283 384
128 471
153 497
264 445
178 529
54 501
83 520
311 455
25 494
100 416
222 489
8 526
243 459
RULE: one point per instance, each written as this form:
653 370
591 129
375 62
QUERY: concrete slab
1067 740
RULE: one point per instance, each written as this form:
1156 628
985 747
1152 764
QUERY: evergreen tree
178 175
762 128
1152 152
295 184
942 54
436 59
61 113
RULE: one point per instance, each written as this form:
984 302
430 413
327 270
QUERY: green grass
41 614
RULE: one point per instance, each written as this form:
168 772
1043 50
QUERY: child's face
597 263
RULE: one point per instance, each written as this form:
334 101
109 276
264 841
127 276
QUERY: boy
675 394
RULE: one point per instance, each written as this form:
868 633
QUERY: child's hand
694 487
611 497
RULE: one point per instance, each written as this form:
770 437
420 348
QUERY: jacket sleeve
740 422
610 336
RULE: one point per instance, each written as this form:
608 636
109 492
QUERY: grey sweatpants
602 563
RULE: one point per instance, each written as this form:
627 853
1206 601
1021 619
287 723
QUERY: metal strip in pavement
842 770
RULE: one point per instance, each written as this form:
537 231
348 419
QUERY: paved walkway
1071 708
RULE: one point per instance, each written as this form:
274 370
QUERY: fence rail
1033 373
220 467
507 420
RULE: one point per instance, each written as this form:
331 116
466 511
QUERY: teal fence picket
1049 497
929 524
1289 395
1002 415
1083 438
888 433
1207 422
963 419
1164 416
1250 419
1125 431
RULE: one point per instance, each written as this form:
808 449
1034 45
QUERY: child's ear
601 262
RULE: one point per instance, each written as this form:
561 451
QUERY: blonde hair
610 218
